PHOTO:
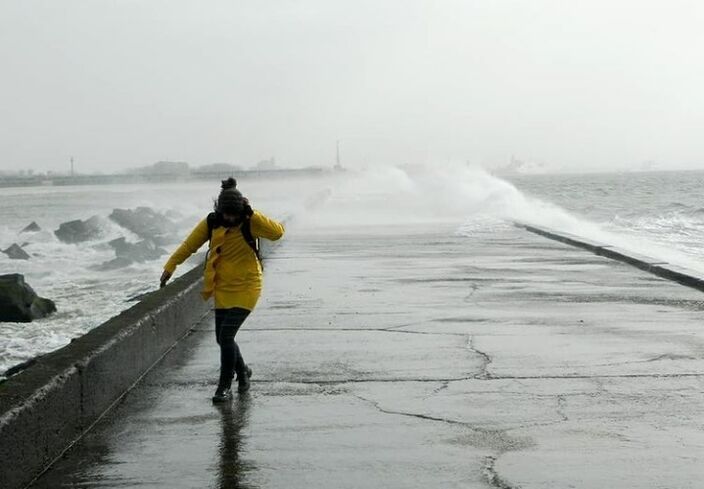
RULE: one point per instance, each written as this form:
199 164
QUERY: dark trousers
227 323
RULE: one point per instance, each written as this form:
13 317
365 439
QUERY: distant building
269 164
216 171
172 168
217 168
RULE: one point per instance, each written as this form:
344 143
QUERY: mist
573 86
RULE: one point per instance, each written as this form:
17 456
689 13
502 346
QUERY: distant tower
71 165
338 166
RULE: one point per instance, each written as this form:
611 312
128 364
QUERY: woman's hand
164 278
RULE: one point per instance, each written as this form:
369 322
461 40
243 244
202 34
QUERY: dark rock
19 302
78 231
141 251
31 228
145 223
16 253
120 245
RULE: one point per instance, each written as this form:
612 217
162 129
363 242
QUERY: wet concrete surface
421 358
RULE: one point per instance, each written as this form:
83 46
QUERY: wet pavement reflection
232 469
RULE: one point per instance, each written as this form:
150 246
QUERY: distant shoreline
68 180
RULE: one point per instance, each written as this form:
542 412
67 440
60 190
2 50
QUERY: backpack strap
251 240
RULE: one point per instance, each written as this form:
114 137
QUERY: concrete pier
420 358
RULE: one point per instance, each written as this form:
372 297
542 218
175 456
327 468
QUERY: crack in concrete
602 376
420 332
560 410
492 477
528 426
486 360
424 417
414 323
444 385
634 362
475 287
561 404
494 439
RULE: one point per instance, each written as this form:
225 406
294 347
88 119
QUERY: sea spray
387 195
474 199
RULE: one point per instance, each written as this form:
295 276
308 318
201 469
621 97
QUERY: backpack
214 221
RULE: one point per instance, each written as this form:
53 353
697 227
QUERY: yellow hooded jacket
233 274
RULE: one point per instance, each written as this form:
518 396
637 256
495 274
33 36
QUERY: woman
233 274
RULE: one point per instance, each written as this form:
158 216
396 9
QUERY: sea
659 214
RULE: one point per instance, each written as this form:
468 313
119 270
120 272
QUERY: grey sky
601 84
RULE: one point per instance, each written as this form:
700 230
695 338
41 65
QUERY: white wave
475 199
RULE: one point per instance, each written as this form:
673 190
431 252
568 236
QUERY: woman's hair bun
229 183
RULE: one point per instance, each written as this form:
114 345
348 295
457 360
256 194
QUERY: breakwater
657 267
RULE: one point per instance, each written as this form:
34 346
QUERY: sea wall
48 406
657 267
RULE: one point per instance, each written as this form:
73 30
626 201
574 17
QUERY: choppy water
660 214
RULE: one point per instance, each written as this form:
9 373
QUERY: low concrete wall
47 407
660 268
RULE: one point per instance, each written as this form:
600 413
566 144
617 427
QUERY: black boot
243 380
222 394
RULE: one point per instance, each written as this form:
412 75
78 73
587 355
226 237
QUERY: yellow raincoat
233 274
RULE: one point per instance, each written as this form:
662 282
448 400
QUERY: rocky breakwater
147 224
15 252
127 253
18 301
154 230
32 227
78 231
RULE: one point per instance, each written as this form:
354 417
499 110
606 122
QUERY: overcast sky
572 84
